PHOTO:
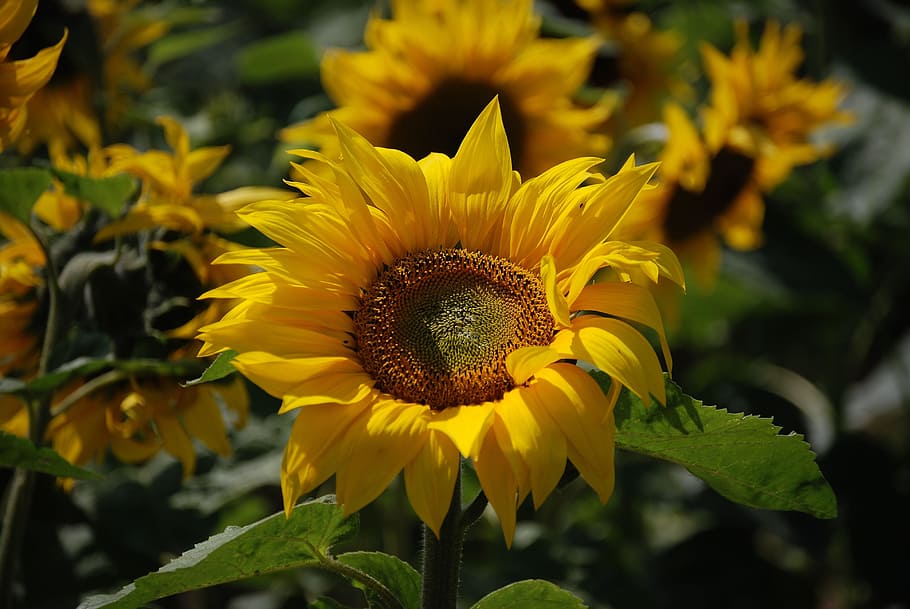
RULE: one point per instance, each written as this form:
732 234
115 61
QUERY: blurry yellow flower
64 115
21 261
123 30
20 80
420 311
137 418
168 179
432 68
761 109
756 129
648 62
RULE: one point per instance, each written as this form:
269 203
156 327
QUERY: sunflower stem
442 557
21 487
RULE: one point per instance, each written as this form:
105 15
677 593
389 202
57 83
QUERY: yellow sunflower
101 57
762 109
648 62
21 79
431 69
420 311
168 181
756 129
138 417
21 261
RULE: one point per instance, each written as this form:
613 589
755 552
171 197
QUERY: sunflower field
438 304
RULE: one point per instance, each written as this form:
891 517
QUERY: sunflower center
435 328
439 121
688 213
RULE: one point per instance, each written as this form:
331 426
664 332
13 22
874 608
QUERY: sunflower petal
466 426
534 436
584 414
628 301
314 448
498 483
523 363
555 298
481 181
430 479
377 446
618 349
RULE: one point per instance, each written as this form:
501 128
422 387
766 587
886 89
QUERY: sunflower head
418 312
430 69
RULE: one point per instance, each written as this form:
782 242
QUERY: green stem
473 512
19 493
388 598
442 557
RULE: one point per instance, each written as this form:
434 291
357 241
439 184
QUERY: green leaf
272 544
182 44
743 458
284 57
20 188
535 593
325 602
20 452
86 366
218 369
107 194
398 576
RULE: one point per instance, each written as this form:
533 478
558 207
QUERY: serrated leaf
273 544
20 188
283 57
398 576
218 369
21 452
535 593
108 194
742 457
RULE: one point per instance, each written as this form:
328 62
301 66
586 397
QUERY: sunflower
138 417
755 130
106 36
168 181
21 261
20 79
430 70
644 59
421 311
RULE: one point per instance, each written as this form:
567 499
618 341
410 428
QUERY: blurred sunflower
21 261
644 60
106 35
431 69
137 417
418 310
21 79
756 129
168 179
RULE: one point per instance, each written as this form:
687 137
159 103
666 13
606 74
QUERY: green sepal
218 369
